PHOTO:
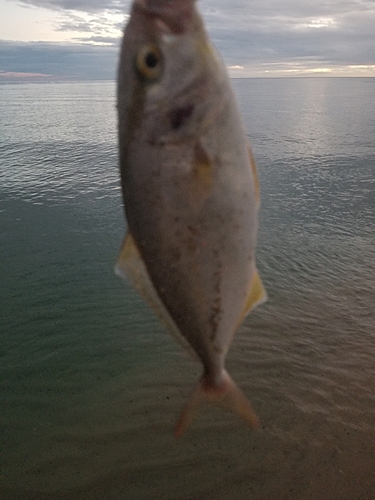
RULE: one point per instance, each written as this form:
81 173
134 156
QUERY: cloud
60 60
99 22
267 31
81 5
104 26
14 75
261 36
99 40
74 25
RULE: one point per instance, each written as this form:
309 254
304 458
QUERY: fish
190 191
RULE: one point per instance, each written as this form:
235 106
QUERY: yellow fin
202 168
255 296
130 265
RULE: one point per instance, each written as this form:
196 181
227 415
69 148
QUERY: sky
79 39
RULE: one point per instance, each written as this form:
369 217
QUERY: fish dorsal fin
256 295
131 266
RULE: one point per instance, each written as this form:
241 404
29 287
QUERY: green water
91 385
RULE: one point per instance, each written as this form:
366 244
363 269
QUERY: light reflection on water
92 384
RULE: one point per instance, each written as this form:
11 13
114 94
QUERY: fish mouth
171 16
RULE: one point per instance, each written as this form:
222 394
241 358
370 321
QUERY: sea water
91 384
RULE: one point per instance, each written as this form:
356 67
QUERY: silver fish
190 191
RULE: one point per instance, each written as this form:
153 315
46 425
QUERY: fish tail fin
227 395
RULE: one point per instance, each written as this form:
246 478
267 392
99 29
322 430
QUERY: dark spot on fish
176 254
191 244
216 306
195 231
214 320
218 349
178 116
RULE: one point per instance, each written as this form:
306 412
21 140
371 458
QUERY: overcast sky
258 38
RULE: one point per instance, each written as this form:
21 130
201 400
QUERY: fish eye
149 62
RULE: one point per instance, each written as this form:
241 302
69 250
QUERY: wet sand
127 450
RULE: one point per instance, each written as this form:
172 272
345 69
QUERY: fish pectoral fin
130 265
228 396
256 295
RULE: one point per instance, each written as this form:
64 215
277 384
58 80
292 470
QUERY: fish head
171 16
168 73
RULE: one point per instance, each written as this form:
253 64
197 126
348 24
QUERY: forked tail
228 396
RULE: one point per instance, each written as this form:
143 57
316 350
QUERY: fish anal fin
227 395
128 252
130 265
256 295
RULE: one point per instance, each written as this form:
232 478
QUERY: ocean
91 384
